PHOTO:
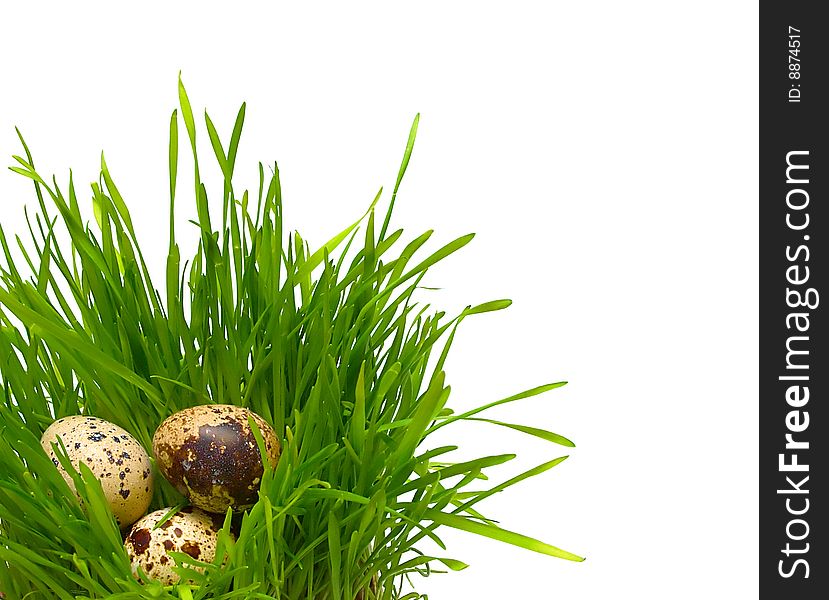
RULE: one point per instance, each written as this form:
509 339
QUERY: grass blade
501 535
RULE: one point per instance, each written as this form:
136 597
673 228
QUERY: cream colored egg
115 457
190 531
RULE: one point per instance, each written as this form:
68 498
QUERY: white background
604 152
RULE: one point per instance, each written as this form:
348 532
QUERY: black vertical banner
794 227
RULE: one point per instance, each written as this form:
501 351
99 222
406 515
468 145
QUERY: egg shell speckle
190 531
115 457
209 454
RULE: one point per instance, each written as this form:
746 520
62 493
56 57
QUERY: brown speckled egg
115 457
190 531
210 455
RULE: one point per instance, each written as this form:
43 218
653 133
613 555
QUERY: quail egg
210 455
115 457
190 531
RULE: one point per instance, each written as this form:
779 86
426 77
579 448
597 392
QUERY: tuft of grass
331 346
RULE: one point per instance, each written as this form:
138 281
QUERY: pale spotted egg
114 456
189 531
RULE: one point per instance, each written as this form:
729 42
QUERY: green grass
330 345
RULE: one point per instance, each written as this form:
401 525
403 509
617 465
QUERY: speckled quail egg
210 455
190 531
115 457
